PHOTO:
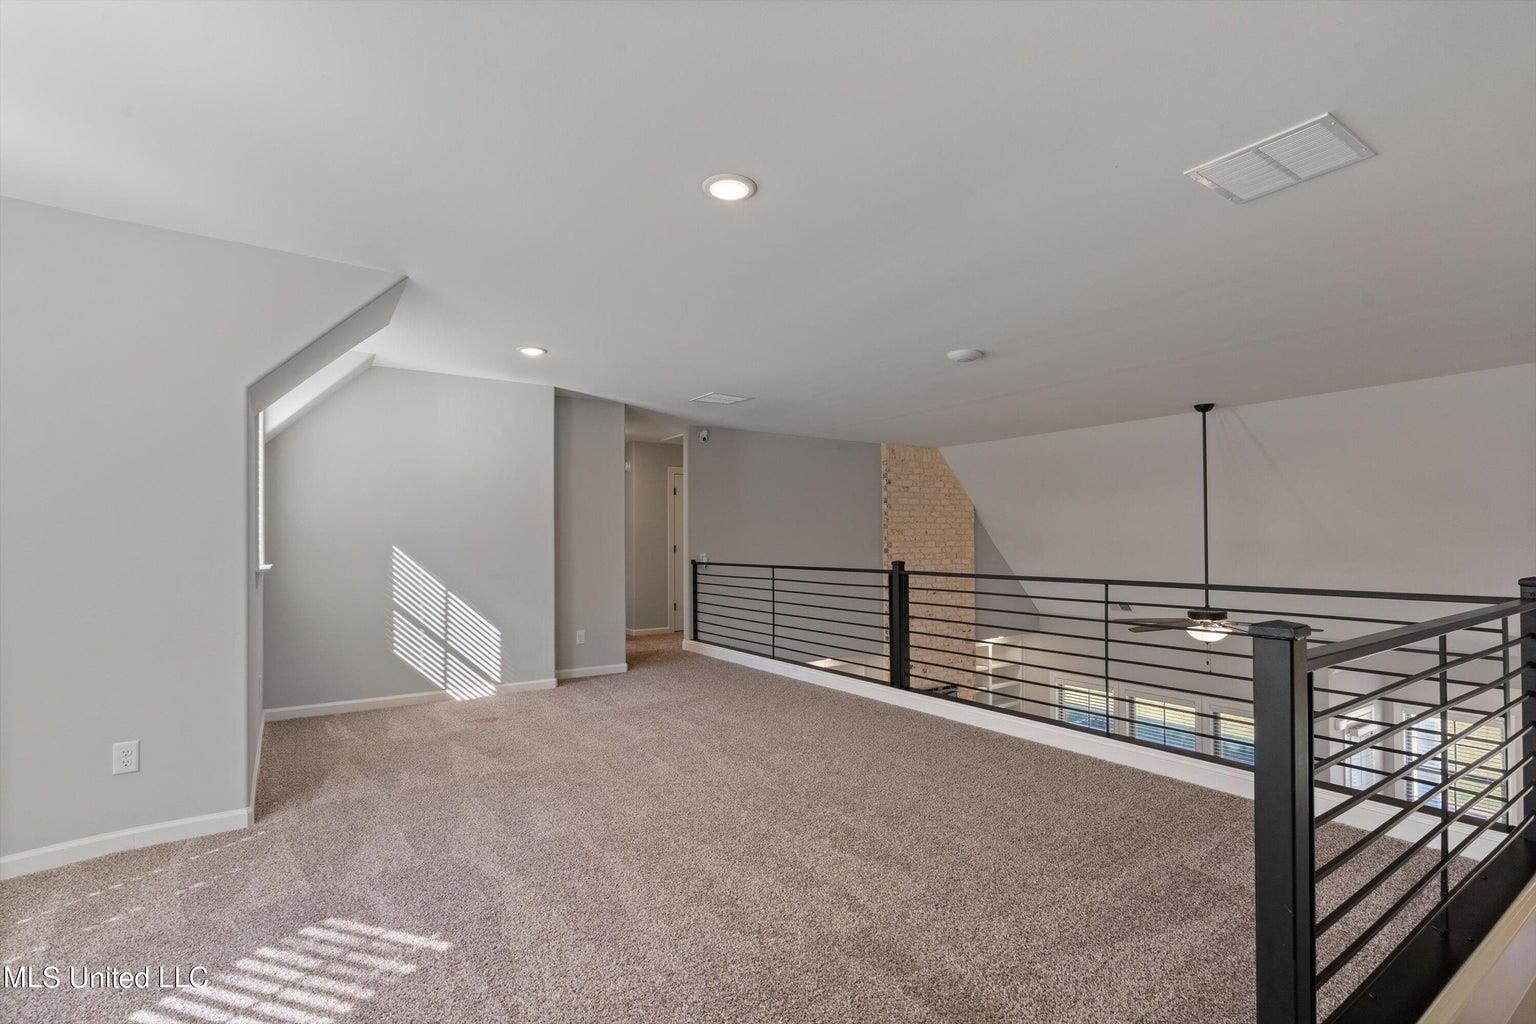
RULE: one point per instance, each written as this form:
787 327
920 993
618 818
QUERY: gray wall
456 473
124 364
646 551
755 497
776 498
1428 485
589 532
1002 606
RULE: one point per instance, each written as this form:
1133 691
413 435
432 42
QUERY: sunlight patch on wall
438 634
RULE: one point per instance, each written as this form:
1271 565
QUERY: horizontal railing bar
792 568
1226 588
1164 604
1444 901
878 627
787 661
1098 657
1371 721
1352 901
733 597
780 634
732 576
739 629
1086 730
1435 751
781 645
1444 666
1087 711
921 588
1410 722
1395 700
1387 750
1340 859
1360 647
742 586
766 612
1099 639
788 590
1091 657
738 618
827 583
1376 595
1113 679
1431 651
878 614
1381 922
833 597
1294 614
878 641
830 650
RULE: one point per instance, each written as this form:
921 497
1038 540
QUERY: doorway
675 548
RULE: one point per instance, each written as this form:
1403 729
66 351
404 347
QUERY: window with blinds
1084 707
1164 722
1361 770
1470 745
1234 737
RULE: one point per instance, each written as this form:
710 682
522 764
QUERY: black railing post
899 626
1528 692
1284 910
693 599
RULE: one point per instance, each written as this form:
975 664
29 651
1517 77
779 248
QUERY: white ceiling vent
1310 149
716 398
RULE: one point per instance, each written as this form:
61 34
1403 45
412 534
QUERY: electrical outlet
581 636
125 757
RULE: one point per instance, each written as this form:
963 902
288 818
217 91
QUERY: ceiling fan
1206 624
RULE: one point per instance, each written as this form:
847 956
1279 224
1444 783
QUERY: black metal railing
1377 725
1368 924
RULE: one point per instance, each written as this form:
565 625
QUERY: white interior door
676 566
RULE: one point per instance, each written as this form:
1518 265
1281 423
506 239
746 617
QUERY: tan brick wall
927 520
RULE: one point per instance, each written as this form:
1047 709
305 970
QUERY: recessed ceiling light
964 355
716 398
729 187
532 350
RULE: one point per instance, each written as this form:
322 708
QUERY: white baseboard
595 670
1209 774
526 685
45 857
342 707
651 631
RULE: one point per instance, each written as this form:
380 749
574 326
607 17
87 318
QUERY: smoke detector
1307 151
716 398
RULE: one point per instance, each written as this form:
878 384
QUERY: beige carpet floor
691 841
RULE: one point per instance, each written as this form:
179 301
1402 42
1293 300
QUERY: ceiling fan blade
1142 625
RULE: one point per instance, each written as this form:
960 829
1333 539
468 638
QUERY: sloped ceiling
933 176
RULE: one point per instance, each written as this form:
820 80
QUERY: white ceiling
933 176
